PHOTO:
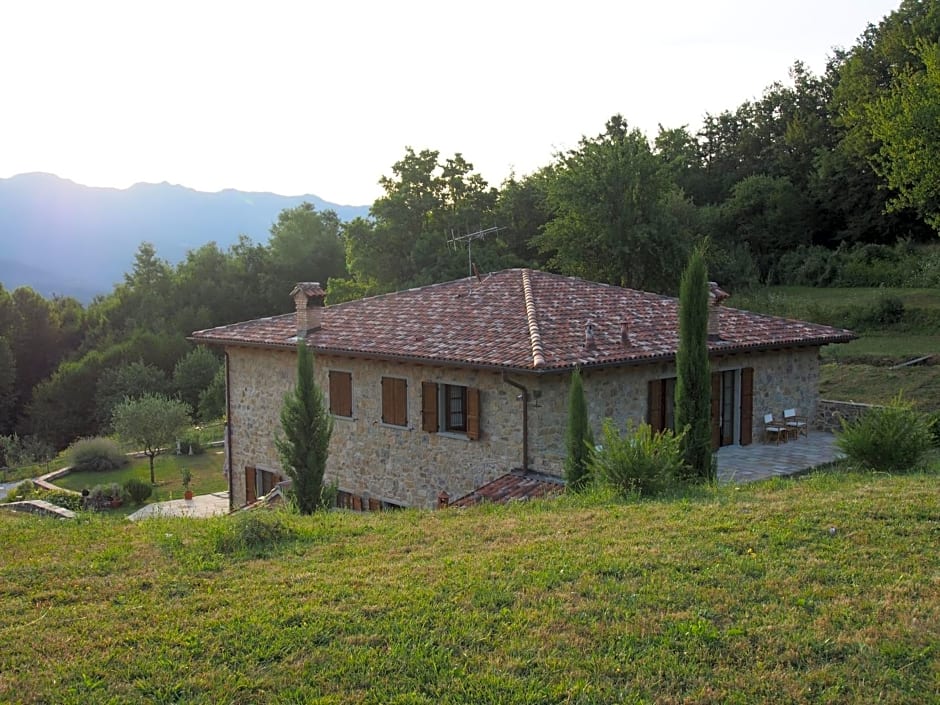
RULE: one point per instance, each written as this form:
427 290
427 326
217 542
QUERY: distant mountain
64 238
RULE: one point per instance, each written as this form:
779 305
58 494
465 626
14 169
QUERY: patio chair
795 423
774 429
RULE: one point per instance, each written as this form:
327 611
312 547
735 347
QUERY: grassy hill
824 590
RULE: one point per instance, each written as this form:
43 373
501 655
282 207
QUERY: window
455 407
341 393
258 482
451 408
394 401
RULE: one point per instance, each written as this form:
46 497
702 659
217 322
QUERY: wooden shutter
716 410
250 493
340 393
654 406
394 401
429 407
747 405
473 413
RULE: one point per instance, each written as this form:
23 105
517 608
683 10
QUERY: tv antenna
453 241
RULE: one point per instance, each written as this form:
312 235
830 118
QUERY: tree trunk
151 456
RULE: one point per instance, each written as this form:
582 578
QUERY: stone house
439 390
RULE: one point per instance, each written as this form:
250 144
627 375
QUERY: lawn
821 590
858 371
206 470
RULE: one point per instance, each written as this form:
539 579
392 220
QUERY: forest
825 180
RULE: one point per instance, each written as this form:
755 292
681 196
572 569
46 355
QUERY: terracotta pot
188 494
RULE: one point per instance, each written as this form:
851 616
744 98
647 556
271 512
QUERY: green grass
206 470
878 385
779 300
733 595
857 371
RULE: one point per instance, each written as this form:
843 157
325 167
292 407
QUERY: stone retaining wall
829 413
39 507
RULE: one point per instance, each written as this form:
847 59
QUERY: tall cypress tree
693 384
307 429
578 439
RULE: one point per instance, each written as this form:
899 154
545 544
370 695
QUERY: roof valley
535 337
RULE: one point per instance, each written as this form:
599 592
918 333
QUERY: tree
579 440
307 429
212 398
128 381
305 245
7 387
693 383
906 123
618 217
153 422
193 374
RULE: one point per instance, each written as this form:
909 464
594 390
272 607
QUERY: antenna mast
469 238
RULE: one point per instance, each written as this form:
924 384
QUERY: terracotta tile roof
516 485
517 319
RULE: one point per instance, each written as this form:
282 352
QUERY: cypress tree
307 429
579 441
693 384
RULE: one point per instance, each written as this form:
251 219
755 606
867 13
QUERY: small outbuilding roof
518 320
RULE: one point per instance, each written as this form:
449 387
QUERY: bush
253 533
640 462
97 454
104 496
891 438
933 427
61 498
24 490
190 443
138 490
888 310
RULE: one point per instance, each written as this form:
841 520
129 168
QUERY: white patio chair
795 423
774 429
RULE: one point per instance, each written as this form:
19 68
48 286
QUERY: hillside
61 237
816 590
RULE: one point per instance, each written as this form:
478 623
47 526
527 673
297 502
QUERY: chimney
589 341
715 297
624 333
308 299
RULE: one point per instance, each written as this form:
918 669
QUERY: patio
761 461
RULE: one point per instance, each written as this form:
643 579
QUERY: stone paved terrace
761 461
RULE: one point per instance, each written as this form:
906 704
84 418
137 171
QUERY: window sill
343 418
394 427
456 435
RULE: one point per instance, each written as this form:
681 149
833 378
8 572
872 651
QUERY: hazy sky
310 97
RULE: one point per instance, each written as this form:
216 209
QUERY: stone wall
408 466
829 413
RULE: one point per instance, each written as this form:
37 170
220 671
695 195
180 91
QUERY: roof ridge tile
535 336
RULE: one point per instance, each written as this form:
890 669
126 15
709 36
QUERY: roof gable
517 319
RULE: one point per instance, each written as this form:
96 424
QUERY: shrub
138 490
887 310
640 462
97 454
933 426
190 443
61 498
24 490
891 438
252 533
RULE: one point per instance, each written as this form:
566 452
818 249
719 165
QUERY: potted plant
187 478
